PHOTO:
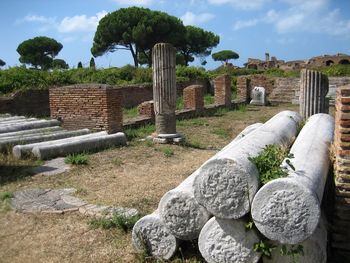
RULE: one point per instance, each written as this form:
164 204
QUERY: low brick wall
32 102
193 97
222 90
340 237
93 106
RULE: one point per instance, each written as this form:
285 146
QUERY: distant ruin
315 62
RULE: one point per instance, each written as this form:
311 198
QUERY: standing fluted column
313 91
164 88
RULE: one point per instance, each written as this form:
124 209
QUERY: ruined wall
340 238
279 90
27 102
93 106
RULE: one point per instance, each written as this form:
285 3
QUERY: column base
174 138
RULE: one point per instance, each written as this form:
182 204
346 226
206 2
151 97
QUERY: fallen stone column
151 236
314 249
228 241
29 125
33 138
77 146
19 121
226 185
20 151
179 210
12 118
288 209
30 132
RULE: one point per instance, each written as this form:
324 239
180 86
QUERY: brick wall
32 102
222 90
193 97
94 106
340 238
146 108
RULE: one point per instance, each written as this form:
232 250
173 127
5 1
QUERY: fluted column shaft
313 90
164 88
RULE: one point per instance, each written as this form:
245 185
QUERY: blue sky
287 29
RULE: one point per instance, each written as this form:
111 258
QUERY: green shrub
77 159
184 73
336 70
269 161
209 99
179 103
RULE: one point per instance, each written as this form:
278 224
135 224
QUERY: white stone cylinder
314 249
28 125
15 121
178 208
20 151
228 241
41 137
226 186
30 132
151 236
78 146
288 209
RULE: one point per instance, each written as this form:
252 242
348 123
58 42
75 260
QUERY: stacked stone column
341 218
164 91
313 91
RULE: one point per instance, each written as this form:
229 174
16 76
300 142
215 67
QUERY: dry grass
133 176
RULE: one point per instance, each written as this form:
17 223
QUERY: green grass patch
179 103
168 152
269 161
223 133
242 108
209 99
192 122
130 113
117 221
221 111
141 132
77 159
5 195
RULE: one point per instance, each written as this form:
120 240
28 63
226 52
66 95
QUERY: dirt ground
133 176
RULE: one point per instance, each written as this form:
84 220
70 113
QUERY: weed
77 159
5 201
168 152
117 162
268 163
5 195
221 111
242 108
149 143
221 133
179 103
140 132
81 191
264 248
125 223
209 99
193 122
294 251
130 113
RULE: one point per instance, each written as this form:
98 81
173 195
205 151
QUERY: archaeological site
161 161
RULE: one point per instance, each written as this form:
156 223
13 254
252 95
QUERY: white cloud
39 19
241 4
245 23
190 18
134 2
302 16
80 23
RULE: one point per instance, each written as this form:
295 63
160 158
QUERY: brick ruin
194 97
320 61
97 107
222 87
340 238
